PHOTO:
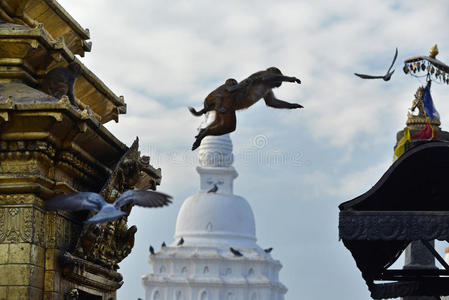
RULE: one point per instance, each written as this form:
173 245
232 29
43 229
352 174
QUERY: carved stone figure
229 97
109 243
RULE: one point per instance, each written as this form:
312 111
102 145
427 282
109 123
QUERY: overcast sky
295 166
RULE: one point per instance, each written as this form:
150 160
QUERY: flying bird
181 241
236 252
214 189
268 250
163 245
107 211
151 250
385 77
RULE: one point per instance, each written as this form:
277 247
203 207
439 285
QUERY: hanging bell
405 69
428 68
423 66
414 68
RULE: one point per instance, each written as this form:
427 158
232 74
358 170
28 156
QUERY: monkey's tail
198 113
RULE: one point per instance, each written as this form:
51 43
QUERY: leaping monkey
232 96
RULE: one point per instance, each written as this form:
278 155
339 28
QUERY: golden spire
434 51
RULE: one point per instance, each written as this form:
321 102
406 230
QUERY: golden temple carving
108 244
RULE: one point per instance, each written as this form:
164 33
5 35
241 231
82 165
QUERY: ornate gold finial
434 51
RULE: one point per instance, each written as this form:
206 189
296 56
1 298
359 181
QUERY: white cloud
165 56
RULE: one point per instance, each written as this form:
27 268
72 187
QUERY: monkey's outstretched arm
272 101
274 77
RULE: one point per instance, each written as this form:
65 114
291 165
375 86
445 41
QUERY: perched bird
106 211
385 77
151 250
268 250
181 241
236 252
214 189
163 245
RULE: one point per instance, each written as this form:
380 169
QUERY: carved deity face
419 93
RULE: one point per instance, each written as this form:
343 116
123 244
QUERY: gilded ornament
434 51
418 121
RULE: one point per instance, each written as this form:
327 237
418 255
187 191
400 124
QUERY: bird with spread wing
107 211
385 77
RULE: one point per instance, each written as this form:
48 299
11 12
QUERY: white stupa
204 267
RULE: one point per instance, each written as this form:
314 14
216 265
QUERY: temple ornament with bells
424 124
407 208
433 67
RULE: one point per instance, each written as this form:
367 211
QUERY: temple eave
25 57
56 20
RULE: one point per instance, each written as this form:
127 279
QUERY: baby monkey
232 96
61 80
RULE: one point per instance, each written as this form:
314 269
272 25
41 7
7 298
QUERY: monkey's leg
225 124
270 100
218 107
200 132
203 132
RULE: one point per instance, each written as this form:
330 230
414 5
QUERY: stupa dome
212 219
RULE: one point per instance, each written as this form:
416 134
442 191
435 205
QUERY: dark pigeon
385 77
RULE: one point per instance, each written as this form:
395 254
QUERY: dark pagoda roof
417 181
408 203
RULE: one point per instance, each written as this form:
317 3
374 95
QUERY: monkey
214 100
61 80
229 97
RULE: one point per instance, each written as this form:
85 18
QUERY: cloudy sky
295 166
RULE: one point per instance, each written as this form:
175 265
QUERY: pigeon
268 250
181 241
106 211
152 250
236 252
385 77
163 245
214 189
